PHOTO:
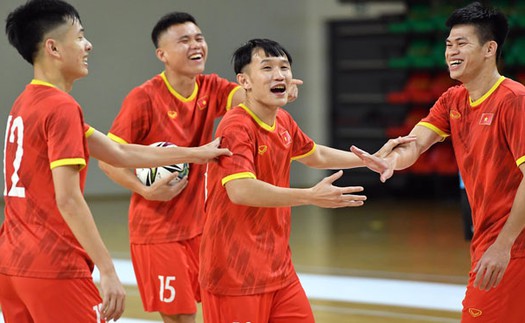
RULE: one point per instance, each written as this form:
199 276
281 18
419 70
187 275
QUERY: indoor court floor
390 261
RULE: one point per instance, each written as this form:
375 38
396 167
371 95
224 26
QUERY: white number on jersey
97 309
165 286
14 126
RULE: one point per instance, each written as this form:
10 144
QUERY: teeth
196 56
456 62
279 88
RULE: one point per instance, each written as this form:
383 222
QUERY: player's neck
265 113
52 76
482 83
183 84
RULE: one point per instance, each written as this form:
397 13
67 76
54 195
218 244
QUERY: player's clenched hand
490 268
166 188
293 91
113 296
325 194
210 152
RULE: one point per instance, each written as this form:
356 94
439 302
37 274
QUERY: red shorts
167 276
501 304
36 300
286 305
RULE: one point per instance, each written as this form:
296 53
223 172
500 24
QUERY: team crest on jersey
287 139
454 114
486 119
202 103
474 312
262 149
172 114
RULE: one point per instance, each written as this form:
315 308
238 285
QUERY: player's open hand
393 143
379 162
325 194
490 268
293 91
166 188
210 152
113 296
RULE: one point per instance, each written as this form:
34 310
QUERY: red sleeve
224 90
132 124
303 145
439 116
238 138
66 144
514 127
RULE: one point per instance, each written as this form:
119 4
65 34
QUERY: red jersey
245 249
154 112
45 129
488 139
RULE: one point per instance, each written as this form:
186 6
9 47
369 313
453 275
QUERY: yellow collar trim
257 119
486 95
177 94
39 82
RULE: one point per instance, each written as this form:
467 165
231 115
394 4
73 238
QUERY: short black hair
490 23
27 25
168 20
243 55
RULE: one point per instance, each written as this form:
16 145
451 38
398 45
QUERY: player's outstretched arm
253 192
133 156
324 157
76 213
399 153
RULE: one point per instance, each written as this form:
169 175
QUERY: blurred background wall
123 56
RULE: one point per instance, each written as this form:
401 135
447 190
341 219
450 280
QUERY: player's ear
161 55
492 48
243 81
50 47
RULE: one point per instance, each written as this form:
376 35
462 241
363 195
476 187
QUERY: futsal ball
148 176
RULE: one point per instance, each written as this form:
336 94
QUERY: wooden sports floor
379 254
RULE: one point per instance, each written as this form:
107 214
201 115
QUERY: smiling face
69 44
466 57
183 49
266 79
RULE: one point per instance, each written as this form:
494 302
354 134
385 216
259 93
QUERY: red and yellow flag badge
486 119
202 103
287 139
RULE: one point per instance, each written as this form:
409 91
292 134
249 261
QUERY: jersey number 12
14 131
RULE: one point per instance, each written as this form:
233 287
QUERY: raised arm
132 156
253 192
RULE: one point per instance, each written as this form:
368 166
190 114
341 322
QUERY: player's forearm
257 193
134 156
403 156
123 177
78 217
330 158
